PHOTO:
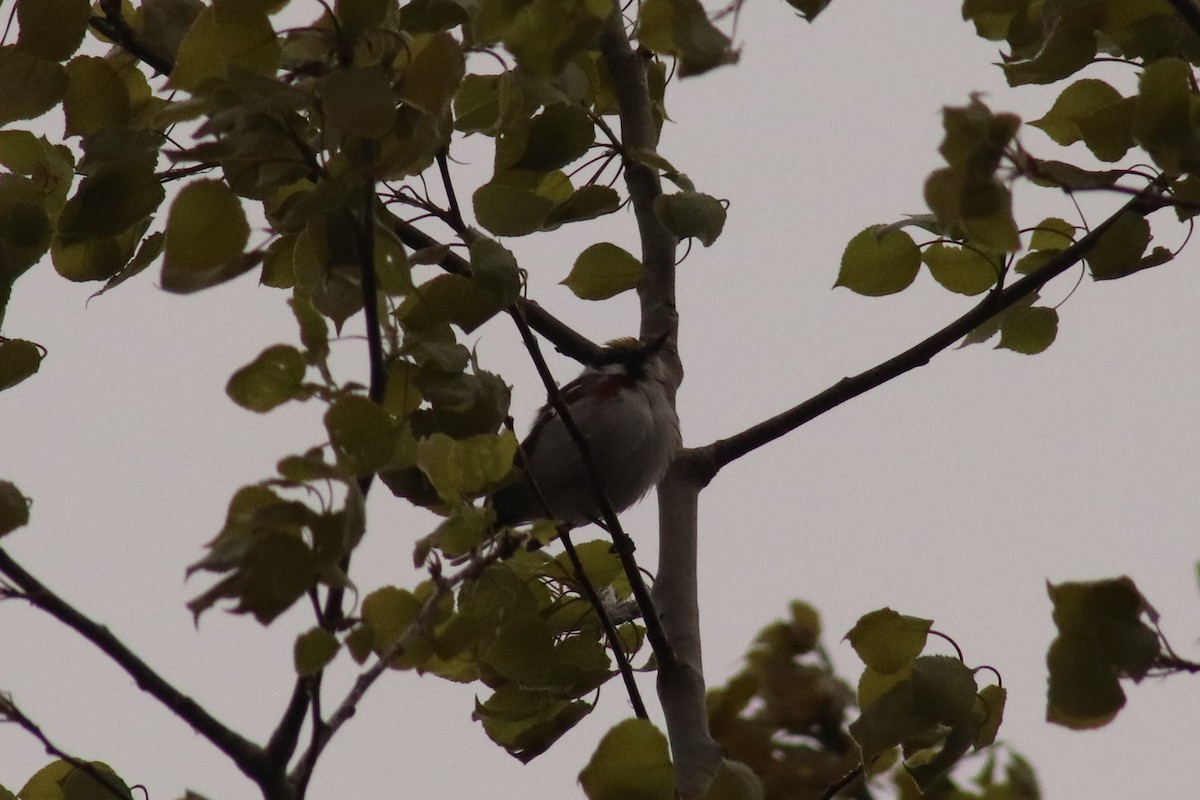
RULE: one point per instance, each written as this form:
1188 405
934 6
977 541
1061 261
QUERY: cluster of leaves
325 129
929 705
976 239
521 628
63 780
786 714
1103 636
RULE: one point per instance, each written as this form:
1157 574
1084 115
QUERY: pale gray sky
954 492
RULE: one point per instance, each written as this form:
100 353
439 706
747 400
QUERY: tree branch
249 758
112 786
114 27
724 451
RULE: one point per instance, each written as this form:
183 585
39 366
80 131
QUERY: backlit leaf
115 197
887 641
630 763
18 360
313 651
876 265
270 380
29 86
96 97
691 214
960 269
1028 330
603 270
14 508
1118 251
52 29
230 35
206 233
681 28
461 468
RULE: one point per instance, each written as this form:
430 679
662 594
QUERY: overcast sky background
953 492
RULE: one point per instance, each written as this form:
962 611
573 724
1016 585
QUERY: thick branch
726 450
249 758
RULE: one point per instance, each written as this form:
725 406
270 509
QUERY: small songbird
621 404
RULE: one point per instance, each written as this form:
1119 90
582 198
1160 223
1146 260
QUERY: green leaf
359 100
461 468
449 299
990 705
96 97
14 508
556 137
115 197
809 9
630 763
1101 638
1052 233
1067 50
272 379
527 722
313 651
206 234
1081 99
29 86
588 202
1162 120
229 36
944 689
960 269
1119 250
516 202
691 214
546 34
735 780
52 29
362 433
1028 330
494 267
603 270
435 69
887 641
877 264
522 650
681 28
18 360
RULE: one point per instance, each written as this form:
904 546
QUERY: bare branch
723 451
249 758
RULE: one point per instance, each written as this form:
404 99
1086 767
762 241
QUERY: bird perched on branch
621 405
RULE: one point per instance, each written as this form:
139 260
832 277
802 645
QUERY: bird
621 403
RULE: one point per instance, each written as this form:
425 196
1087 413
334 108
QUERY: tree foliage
212 140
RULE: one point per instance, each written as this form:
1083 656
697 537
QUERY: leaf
691 214
230 35
546 34
603 270
19 359
991 706
887 641
879 264
1080 99
588 202
115 197
313 651
449 299
272 379
205 236
556 137
1052 233
681 28
52 29
434 72
735 780
522 650
944 689
29 86
1101 638
1028 330
1118 251
960 269
359 100
362 433
494 268
630 763
809 9
96 97
461 468
14 508
1067 50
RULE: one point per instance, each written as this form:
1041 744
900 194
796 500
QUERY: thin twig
622 544
610 630
9 711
